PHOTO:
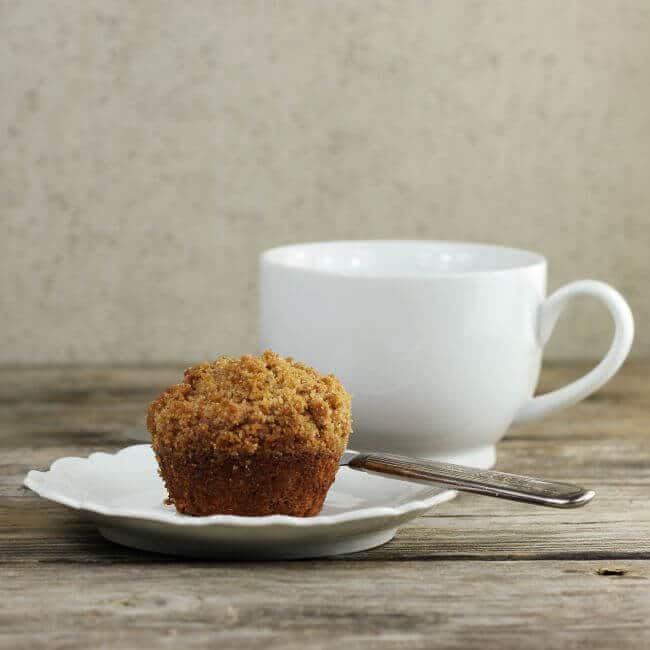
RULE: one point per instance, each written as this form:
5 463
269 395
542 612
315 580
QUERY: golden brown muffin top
240 406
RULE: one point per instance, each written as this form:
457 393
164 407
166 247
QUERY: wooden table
476 572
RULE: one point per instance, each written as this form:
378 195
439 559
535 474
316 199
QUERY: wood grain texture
475 572
328 605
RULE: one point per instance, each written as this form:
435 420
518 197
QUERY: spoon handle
479 481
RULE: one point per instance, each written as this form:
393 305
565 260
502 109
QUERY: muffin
250 436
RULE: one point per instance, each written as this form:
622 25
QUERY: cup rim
281 256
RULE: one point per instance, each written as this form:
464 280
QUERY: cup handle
549 313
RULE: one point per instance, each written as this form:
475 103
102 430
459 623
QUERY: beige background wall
149 151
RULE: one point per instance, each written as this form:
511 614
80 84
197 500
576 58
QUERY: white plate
123 494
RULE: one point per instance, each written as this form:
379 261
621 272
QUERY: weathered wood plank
621 462
52 401
621 405
78 384
324 605
616 524
31 530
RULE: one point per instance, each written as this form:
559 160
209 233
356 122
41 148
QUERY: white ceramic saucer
123 494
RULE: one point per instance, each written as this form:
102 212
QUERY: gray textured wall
149 151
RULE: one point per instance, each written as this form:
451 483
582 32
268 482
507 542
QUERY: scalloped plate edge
37 482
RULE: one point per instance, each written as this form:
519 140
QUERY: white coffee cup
440 343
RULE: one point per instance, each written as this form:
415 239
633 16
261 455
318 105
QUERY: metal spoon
469 479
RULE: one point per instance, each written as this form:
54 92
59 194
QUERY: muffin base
203 483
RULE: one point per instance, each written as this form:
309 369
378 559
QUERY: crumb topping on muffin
237 406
